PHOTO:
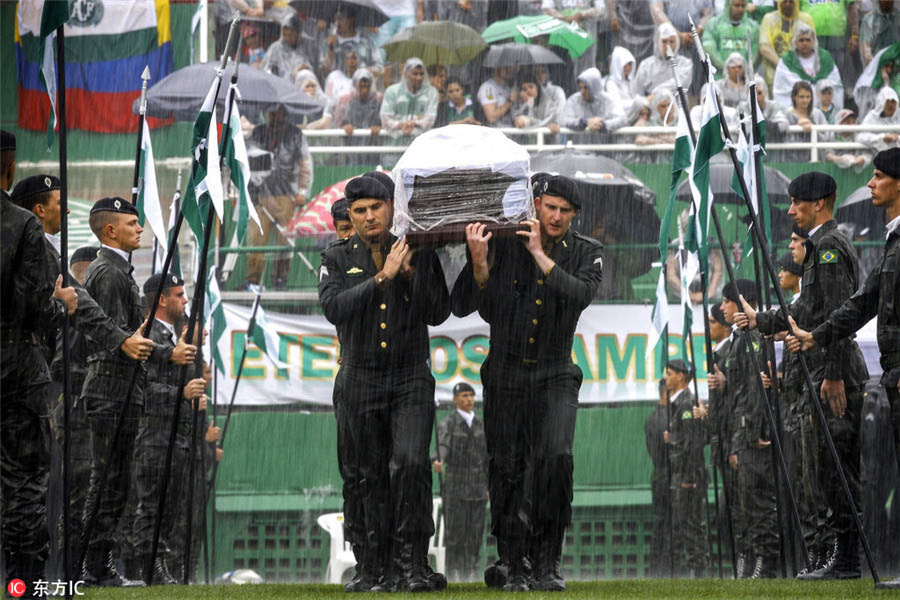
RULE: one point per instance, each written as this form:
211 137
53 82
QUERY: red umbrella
315 219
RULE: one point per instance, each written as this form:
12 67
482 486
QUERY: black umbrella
180 94
367 12
518 55
720 176
867 219
617 209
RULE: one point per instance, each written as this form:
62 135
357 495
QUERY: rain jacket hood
665 30
593 80
617 61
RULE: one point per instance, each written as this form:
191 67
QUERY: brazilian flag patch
827 257
687 415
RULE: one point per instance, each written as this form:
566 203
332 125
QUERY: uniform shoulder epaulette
587 238
337 242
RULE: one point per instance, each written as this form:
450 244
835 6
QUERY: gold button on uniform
538 302
530 340
384 344
383 306
384 325
534 321
540 282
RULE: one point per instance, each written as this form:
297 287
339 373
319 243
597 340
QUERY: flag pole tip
145 75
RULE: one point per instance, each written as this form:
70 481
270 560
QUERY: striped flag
53 16
267 339
149 210
205 185
236 160
216 323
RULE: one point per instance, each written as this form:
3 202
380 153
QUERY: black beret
537 183
812 186
366 187
745 288
717 315
340 210
84 254
7 140
800 231
888 162
462 387
384 178
114 204
28 188
152 283
680 366
787 263
557 185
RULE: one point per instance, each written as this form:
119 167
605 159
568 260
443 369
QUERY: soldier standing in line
686 440
382 296
109 281
654 435
880 296
462 458
341 218
170 354
839 374
531 291
29 304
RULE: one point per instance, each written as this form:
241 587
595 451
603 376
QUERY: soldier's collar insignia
48 182
827 257
354 271
117 204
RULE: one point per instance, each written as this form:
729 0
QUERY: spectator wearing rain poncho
774 113
806 62
306 80
359 109
880 28
409 107
825 99
729 32
286 56
663 113
618 84
589 109
535 108
733 87
340 81
346 34
850 158
884 113
656 70
776 31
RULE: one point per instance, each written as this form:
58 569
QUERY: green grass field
643 589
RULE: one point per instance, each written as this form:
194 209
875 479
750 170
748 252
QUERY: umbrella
617 208
867 219
518 55
367 12
315 218
180 94
720 174
436 43
523 29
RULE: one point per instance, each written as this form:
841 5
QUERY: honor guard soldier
879 297
839 374
531 291
29 304
341 219
110 283
381 295
655 427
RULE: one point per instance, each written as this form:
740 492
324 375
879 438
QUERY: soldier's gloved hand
137 347
194 388
183 353
67 295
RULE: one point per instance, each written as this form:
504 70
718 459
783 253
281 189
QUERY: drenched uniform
660 543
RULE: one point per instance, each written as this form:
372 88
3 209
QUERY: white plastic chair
436 543
340 556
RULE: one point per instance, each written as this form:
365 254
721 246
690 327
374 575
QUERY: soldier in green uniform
839 374
749 451
462 458
382 296
531 291
655 427
170 353
30 304
109 282
687 438
880 296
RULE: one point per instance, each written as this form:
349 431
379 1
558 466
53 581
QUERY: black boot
741 567
843 564
763 568
437 581
812 558
546 565
366 576
100 570
161 573
407 570
495 575
517 580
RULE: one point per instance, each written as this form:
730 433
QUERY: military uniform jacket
656 423
720 406
830 277
163 378
381 328
464 452
880 296
27 305
687 437
746 418
533 315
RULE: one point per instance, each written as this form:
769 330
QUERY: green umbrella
522 29
436 43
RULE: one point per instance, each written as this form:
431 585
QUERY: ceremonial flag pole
145 77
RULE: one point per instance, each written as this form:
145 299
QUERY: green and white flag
175 267
205 185
54 14
236 160
267 339
871 77
216 323
149 210
745 149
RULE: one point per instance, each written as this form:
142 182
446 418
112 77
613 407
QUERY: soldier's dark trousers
349 467
79 470
390 412
807 484
463 532
756 490
24 471
529 420
661 542
845 434
690 541
893 395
